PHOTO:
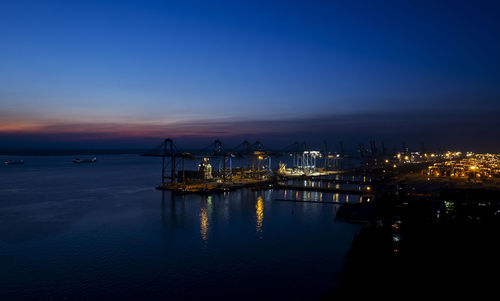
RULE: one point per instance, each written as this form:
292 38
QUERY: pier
321 202
216 172
330 181
213 187
360 191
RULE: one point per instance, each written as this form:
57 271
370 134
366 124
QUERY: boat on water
8 162
78 160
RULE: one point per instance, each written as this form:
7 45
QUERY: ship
13 162
78 160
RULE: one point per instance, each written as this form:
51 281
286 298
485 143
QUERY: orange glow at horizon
123 129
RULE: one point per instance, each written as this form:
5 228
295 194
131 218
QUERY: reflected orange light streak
259 212
204 224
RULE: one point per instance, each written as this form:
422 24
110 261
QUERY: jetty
214 187
361 190
216 171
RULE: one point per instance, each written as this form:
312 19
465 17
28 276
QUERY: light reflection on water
259 212
206 208
89 231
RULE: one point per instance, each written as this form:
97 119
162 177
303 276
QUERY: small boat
78 160
13 162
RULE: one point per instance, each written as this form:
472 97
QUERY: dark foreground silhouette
442 247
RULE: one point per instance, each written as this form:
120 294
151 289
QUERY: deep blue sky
138 68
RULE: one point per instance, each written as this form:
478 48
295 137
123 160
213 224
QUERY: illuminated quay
250 165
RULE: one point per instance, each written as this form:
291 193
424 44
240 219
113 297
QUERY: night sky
130 73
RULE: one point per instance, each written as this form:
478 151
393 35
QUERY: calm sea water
87 231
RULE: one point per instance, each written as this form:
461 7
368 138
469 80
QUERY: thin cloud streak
454 128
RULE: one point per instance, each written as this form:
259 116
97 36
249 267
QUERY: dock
214 187
320 202
364 191
216 171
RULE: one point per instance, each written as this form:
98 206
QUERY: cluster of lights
405 158
417 157
304 163
451 155
477 166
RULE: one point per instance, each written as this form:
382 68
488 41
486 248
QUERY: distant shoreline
69 152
